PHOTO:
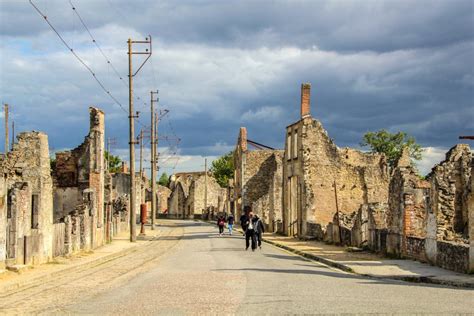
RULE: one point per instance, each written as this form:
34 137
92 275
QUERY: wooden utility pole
140 141
337 212
5 109
205 184
142 185
132 115
153 161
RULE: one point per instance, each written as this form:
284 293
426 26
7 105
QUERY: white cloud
431 156
263 114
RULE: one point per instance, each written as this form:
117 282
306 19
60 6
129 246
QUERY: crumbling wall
195 202
3 220
369 227
409 210
358 178
320 178
177 201
163 194
450 181
83 169
428 220
29 201
258 182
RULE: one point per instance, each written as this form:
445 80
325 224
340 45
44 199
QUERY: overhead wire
107 59
79 58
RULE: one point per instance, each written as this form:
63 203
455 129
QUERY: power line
79 58
107 59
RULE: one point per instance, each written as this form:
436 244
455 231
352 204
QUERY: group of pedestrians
251 224
253 228
221 221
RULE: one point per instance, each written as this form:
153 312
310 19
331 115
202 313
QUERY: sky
219 65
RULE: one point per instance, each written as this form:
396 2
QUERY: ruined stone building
79 181
258 181
162 195
188 195
349 197
431 220
26 202
196 201
322 182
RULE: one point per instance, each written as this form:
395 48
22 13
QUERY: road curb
326 261
17 286
343 267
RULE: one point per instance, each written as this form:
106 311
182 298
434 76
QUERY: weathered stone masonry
258 182
187 195
79 184
429 220
314 168
26 205
352 198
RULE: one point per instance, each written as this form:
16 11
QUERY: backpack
221 222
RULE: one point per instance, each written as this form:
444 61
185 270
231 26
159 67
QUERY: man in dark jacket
245 218
250 233
259 229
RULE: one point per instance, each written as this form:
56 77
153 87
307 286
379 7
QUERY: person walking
221 224
244 218
259 229
250 233
230 223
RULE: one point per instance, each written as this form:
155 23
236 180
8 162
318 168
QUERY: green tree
164 180
392 145
223 169
114 162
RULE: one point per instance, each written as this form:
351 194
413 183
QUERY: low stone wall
415 248
314 230
59 239
453 256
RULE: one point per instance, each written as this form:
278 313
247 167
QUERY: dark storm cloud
219 65
330 25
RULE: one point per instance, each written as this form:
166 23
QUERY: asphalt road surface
193 270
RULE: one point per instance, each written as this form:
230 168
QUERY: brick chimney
305 100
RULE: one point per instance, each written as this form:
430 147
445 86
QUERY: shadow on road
341 275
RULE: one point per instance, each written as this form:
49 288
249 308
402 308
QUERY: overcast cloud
219 65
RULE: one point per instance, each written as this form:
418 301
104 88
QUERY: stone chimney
305 100
124 167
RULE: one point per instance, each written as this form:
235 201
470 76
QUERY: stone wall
163 194
321 178
177 201
27 191
453 256
79 170
415 248
428 220
450 182
258 182
195 202
3 219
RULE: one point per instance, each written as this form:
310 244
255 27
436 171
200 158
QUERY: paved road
191 270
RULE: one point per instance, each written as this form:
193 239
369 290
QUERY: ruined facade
79 181
196 201
431 220
320 179
26 203
258 182
162 195
188 195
